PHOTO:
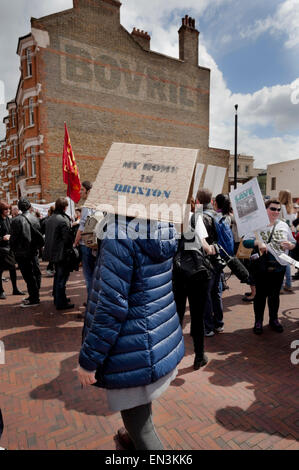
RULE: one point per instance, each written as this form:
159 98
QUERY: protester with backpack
191 275
213 309
25 241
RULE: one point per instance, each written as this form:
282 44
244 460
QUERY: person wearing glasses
270 243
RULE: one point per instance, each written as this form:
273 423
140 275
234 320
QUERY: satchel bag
72 259
37 239
7 260
243 253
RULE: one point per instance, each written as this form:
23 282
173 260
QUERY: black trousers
29 267
267 288
13 278
196 292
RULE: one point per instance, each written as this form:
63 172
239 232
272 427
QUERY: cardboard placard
249 208
144 181
214 179
197 177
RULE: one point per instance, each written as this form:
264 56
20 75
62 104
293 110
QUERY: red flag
70 171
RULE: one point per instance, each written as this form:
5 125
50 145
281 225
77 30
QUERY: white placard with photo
249 207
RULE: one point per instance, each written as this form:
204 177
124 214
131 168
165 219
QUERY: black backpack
191 261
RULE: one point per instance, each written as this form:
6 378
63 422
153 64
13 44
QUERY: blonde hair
285 198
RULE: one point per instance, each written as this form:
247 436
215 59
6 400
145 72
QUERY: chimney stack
188 41
109 5
143 38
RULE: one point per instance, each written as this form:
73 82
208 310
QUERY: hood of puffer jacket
156 239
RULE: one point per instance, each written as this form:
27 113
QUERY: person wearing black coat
58 241
26 251
6 258
50 268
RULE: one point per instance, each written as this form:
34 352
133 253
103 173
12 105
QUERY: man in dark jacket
58 240
25 250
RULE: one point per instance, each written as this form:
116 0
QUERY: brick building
83 67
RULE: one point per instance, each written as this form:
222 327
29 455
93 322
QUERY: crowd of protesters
137 289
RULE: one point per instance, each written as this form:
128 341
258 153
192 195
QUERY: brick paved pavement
245 398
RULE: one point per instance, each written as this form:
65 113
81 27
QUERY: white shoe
220 329
209 333
50 273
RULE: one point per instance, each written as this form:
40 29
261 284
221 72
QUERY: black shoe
276 326
17 292
125 439
66 307
200 361
2 296
258 328
247 298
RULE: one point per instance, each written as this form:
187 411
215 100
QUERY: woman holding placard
270 243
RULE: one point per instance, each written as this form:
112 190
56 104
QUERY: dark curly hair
223 203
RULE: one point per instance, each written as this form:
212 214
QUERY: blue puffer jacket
132 332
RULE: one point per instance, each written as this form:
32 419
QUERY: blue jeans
88 265
288 276
60 279
213 312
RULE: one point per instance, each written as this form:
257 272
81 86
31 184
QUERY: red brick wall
108 89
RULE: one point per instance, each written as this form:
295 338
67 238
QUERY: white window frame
28 165
13 118
28 62
31 112
14 145
33 162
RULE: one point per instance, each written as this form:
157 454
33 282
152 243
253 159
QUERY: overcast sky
251 48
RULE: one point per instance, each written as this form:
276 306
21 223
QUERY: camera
222 259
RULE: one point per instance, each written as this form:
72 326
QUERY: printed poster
249 207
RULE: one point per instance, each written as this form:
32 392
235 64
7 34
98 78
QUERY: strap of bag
272 232
269 239
27 220
31 226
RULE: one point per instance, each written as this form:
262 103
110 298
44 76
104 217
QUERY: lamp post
236 146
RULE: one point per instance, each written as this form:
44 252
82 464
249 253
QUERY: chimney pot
188 41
